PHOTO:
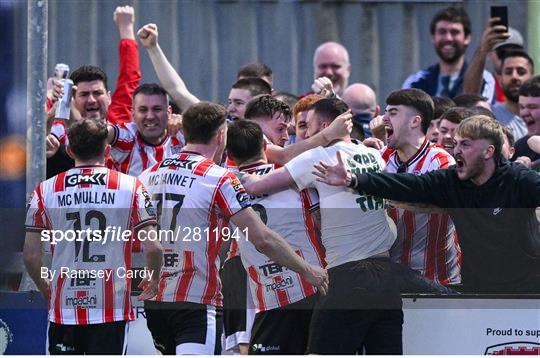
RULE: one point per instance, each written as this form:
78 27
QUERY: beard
512 94
450 58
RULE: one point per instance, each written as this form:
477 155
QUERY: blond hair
483 127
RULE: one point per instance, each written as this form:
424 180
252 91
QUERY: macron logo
496 211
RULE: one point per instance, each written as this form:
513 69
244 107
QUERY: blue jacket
428 79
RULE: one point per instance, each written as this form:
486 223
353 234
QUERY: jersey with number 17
194 198
94 214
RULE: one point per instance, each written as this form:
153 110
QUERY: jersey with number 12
90 281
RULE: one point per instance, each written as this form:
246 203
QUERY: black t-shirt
60 162
523 150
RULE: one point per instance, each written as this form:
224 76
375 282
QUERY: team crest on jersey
175 149
77 179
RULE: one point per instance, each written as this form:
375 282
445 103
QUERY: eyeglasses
402 168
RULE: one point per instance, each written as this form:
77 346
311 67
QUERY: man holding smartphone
451 34
498 39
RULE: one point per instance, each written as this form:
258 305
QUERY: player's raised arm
169 78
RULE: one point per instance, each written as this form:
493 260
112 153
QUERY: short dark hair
531 87
457 114
151 89
266 106
201 121
518 53
286 97
468 100
244 140
88 137
329 108
452 14
417 99
442 104
482 111
88 73
254 85
258 70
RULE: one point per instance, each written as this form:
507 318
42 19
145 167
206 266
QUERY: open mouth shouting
93 111
389 132
459 163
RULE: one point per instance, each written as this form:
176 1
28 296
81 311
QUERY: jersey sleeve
128 80
301 167
122 144
36 216
441 160
231 197
143 213
59 131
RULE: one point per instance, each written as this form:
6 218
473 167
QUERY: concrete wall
207 41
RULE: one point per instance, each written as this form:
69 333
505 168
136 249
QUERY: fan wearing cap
514 42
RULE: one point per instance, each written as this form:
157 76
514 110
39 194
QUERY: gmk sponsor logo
77 179
514 348
82 301
280 285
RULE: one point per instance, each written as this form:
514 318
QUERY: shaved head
360 98
331 60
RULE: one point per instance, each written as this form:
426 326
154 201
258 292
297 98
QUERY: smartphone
502 13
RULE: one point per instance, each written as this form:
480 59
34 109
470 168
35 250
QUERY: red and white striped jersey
425 242
90 277
132 155
58 129
287 213
195 197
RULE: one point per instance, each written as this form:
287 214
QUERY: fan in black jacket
492 203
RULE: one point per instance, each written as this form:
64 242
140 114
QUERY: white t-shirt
354 226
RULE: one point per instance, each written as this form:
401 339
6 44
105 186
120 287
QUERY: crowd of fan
423 128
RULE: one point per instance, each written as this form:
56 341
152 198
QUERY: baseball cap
515 39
